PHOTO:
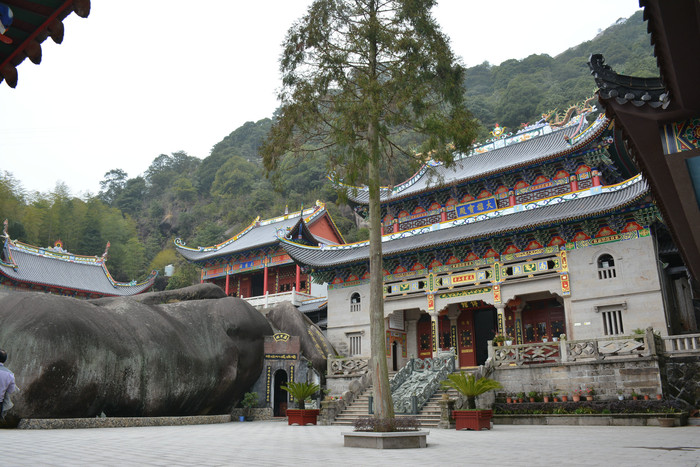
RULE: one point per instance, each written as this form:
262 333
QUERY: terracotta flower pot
646 397
472 419
509 400
546 398
659 396
589 398
302 416
577 398
565 398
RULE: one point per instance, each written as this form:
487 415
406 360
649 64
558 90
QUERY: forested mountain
206 201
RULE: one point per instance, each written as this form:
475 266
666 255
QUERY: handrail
418 380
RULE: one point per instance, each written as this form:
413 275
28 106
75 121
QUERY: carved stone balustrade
347 366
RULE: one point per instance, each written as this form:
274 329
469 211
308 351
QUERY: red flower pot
577 398
472 419
565 398
302 416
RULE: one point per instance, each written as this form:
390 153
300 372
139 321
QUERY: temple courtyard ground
276 443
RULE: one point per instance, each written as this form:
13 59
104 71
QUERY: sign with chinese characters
280 356
473 208
281 337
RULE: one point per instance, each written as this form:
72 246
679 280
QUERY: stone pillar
446 407
412 338
434 333
518 323
501 317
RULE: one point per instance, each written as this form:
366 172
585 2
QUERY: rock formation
151 355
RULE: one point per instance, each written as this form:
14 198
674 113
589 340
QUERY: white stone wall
342 322
636 289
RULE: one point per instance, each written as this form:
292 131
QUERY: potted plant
509 340
564 398
532 395
635 396
301 415
470 387
499 339
545 396
520 397
588 392
250 400
577 394
509 399
620 394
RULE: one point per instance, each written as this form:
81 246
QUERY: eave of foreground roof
535 146
46 268
553 211
33 22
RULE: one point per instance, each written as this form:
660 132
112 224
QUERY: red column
298 282
382 229
443 215
574 183
596 178
227 279
396 225
265 277
511 198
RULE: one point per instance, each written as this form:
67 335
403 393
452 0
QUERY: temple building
53 270
254 266
547 232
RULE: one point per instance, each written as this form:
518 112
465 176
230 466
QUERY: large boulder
314 345
124 357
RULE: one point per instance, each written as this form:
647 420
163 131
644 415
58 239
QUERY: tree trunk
383 405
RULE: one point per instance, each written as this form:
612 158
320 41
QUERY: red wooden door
424 335
465 338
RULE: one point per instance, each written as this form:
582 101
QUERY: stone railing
419 380
684 344
264 301
347 366
584 350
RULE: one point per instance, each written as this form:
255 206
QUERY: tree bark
383 405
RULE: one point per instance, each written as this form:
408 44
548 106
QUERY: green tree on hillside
357 76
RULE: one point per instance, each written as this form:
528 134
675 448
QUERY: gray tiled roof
476 166
309 306
552 213
59 271
256 237
262 234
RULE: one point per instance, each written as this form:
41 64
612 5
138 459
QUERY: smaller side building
54 270
254 266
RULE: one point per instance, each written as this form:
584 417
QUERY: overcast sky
141 78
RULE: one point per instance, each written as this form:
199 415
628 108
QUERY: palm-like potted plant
301 415
470 387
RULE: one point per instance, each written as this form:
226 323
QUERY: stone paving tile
273 443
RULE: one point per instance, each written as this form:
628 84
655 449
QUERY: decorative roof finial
104 255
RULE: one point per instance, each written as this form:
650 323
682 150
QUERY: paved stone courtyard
275 443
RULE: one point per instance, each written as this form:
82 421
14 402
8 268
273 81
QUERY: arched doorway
279 406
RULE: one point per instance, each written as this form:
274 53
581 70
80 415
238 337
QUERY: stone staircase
429 415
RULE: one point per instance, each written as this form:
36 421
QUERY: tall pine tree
358 75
